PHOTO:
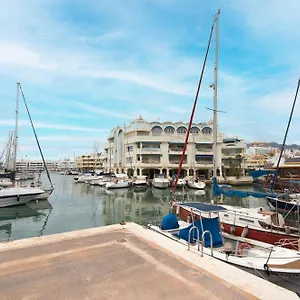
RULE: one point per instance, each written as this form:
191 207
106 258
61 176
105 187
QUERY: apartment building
146 148
35 165
93 161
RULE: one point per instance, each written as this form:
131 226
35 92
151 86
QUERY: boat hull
160 185
119 185
270 237
260 235
15 200
196 185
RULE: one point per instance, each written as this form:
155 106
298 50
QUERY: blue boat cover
169 222
258 173
211 224
204 206
218 191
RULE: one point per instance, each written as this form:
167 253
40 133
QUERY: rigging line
194 108
285 136
37 141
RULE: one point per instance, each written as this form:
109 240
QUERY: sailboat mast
16 131
215 86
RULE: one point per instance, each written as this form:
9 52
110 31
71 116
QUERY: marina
74 206
154 196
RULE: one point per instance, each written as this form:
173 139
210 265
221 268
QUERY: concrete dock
121 262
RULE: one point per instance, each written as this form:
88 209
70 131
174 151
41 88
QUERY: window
169 130
156 130
181 130
246 220
207 130
195 130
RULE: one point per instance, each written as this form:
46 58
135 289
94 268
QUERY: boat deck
121 262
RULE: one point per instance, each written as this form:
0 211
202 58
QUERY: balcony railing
151 162
204 162
177 162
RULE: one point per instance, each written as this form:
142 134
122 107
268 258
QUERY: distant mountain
277 145
291 146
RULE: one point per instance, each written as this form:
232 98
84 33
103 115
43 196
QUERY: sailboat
201 227
17 195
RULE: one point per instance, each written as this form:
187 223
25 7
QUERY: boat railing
198 237
294 243
203 242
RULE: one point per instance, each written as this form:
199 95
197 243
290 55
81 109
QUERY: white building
35 165
92 161
155 147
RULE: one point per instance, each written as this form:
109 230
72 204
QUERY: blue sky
88 66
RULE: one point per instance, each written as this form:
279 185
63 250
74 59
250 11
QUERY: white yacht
160 181
18 195
180 183
195 184
5 182
140 180
120 181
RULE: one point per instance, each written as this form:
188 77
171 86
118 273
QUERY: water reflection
79 206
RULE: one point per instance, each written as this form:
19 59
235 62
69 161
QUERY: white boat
140 181
195 184
274 263
120 181
5 183
13 196
180 183
83 178
254 223
160 181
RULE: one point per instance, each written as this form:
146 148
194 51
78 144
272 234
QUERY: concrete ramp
119 262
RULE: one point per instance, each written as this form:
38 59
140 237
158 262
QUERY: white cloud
45 125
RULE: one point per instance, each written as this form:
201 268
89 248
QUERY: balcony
150 162
204 163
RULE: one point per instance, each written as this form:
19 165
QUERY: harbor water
74 206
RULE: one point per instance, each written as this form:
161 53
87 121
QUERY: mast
285 136
194 108
14 166
215 87
109 156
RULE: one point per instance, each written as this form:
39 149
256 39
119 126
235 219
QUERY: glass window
181 130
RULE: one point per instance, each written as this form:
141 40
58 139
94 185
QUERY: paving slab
115 262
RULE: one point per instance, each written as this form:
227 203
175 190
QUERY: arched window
207 130
181 130
195 130
169 130
156 130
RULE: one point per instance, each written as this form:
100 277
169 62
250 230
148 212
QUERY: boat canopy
203 224
218 191
259 173
204 207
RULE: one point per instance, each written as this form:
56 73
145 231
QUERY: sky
87 66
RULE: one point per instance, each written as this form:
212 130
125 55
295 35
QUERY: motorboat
253 223
204 236
120 181
140 181
83 178
195 184
180 183
160 181
5 182
13 196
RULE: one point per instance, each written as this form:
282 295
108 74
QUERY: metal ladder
203 241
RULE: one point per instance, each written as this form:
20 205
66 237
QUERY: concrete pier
121 262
